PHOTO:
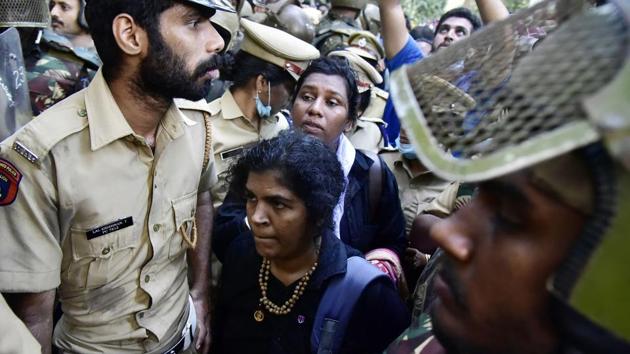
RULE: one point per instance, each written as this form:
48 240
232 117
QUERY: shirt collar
346 154
229 107
106 121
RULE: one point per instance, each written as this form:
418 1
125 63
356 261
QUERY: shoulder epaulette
38 137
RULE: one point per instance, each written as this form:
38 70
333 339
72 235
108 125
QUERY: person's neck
143 112
83 40
415 166
290 270
246 103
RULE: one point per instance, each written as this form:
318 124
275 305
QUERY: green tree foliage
425 11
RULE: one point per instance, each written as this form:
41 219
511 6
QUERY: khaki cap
277 47
365 44
367 75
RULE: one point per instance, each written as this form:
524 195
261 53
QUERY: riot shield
15 108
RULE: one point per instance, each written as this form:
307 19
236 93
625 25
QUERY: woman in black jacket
369 216
276 274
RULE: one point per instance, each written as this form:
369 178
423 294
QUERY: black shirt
380 315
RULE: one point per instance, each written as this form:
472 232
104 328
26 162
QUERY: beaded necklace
263 280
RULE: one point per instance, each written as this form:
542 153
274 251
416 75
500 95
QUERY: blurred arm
394 32
36 311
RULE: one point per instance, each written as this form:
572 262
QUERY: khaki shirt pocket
184 209
100 260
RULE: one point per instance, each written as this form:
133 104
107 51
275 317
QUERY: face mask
406 150
264 111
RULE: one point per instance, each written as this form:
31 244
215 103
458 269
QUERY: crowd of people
207 176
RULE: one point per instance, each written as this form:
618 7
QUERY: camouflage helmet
24 13
532 111
351 4
370 18
290 18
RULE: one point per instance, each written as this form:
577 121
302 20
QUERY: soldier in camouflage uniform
55 70
537 261
340 22
20 22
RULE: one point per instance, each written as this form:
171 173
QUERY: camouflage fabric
55 71
422 295
333 33
417 339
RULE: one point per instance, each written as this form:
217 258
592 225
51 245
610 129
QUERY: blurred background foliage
426 11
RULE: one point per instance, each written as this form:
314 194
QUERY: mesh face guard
489 105
24 13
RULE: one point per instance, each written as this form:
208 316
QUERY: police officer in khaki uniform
421 192
368 132
367 46
264 74
105 198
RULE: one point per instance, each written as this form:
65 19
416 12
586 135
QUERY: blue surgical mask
406 150
264 111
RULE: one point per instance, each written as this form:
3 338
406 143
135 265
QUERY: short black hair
241 67
100 16
332 66
307 167
460 12
422 33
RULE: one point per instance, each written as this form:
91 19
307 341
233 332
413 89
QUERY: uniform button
147 278
105 250
156 227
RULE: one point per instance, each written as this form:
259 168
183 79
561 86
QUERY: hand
416 259
203 338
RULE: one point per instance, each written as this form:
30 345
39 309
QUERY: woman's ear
131 38
350 124
261 84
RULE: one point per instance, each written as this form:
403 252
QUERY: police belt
188 333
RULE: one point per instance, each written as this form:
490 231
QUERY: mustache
217 61
447 272
55 20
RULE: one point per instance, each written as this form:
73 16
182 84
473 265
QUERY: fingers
202 344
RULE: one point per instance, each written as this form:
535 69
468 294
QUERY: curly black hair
332 66
308 168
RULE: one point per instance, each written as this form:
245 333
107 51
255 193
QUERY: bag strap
337 305
208 142
376 182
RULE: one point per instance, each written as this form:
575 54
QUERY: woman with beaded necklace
275 274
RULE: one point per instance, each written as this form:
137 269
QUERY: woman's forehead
333 84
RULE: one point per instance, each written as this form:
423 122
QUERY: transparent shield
15 108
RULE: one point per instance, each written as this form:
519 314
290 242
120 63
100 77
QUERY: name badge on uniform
231 153
109 228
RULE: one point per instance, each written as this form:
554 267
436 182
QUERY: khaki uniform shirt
366 134
100 215
14 336
423 193
232 132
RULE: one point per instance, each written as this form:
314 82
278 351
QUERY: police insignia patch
9 181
